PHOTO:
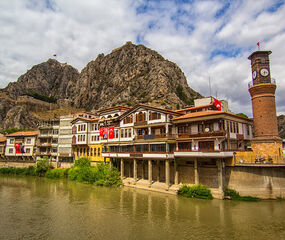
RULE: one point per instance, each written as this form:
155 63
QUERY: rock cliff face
132 74
128 75
50 78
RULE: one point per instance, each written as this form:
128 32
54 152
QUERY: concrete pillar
135 170
122 168
220 174
158 170
167 173
143 169
150 171
196 172
130 168
175 173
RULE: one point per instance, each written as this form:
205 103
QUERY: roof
193 108
113 108
23 134
207 113
259 52
85 119
149 107
3 139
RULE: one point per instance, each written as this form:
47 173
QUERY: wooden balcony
154 136
140 123
201 135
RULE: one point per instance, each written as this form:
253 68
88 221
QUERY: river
39 208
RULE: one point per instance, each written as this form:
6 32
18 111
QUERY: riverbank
81 171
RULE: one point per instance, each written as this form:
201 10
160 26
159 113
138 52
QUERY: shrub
195 191
18 171
234 195
56 173
42 167
82 162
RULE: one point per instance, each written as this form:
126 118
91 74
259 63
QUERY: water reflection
36 208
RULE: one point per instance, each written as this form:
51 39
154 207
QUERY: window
154 116
55 132
158 148
11 141
91 152
122 133
87 151
130 132
128 120
247 130
84 151
141 148
99 151
28 141
182 129
231 127
116 134
11 150
95 152
200 128
140 117
28 150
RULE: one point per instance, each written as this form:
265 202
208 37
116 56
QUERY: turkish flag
111 132
258 44
218 104
101 132
54 55
18 147
105 133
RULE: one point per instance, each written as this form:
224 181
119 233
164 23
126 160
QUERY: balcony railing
203 134
154 136
251 84
140 123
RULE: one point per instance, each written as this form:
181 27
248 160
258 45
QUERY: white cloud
204 38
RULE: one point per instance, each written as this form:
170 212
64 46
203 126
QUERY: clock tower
266 142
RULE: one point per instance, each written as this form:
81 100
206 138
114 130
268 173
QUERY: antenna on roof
210 86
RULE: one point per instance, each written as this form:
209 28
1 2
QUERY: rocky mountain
132 74
128 75
281 126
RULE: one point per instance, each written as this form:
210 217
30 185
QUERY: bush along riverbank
232 194
195 191
82 171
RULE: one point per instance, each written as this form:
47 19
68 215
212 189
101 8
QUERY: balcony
43 144
251 83
201 135
140 123
155 136
44 153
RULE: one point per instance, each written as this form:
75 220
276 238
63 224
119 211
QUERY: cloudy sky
207 39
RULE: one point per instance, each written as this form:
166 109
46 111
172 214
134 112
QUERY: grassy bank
234 195
82 171
195 191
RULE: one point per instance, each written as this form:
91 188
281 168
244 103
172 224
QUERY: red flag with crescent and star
111 132
218 104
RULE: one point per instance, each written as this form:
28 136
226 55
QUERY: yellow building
86 139
2 147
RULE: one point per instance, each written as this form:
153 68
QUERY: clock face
264 72
254 75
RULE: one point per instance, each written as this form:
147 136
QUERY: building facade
21 146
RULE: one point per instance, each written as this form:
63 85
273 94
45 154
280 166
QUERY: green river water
39 208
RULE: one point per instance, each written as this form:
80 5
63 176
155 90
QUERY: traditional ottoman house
47 142
21 146
144 143
65 151
2 147
86 140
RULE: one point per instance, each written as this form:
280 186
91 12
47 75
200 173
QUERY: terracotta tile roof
207 113
3 139
85 119
20 134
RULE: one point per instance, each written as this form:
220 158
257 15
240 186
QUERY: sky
206 39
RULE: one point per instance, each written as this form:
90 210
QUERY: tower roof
259 52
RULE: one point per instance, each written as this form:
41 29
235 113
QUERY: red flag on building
218 104
258 44
18 147
105 133
54 55
111 132
101 132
